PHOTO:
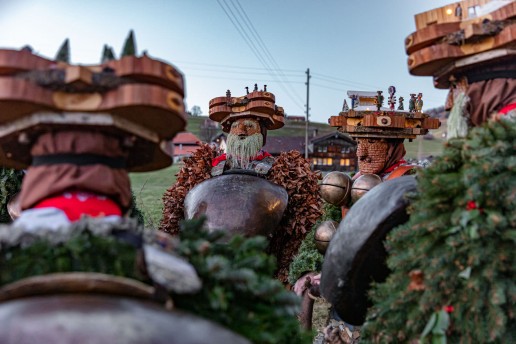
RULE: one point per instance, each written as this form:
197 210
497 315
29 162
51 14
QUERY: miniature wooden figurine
419 102
412 102
354 101
379 100
400 106
392 97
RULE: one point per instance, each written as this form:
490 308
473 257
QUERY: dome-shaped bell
323 235
363 184
335 188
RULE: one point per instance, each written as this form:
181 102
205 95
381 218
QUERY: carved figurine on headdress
419 102
354 101
392 97
345 106
412 103
400 105
378 101
233 189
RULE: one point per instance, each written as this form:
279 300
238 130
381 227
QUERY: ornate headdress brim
258 104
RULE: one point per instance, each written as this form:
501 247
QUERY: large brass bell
323 235
335 188
363 184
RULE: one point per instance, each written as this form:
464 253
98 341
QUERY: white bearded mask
242 149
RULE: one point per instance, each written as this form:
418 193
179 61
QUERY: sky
230 44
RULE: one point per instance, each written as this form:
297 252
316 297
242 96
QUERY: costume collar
258 157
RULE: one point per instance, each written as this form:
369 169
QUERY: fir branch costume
462 240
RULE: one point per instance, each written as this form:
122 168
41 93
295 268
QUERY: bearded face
372 155
244 142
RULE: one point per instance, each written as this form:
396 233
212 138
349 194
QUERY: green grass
148 189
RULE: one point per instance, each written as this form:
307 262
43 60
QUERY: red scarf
508 108
76 204
395 166
260 156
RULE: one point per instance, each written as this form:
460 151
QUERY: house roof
336 134
184 150
278 144
185 137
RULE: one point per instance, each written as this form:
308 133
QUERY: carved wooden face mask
372 155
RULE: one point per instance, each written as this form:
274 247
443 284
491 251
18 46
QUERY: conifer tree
63 54
107 54
129 48
453 262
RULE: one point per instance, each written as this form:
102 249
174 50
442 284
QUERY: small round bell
335 188
323 235
363 184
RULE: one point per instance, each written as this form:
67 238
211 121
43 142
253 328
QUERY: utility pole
307 110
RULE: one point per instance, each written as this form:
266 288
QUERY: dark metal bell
238 204
335 188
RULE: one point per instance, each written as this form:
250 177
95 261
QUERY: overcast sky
231 44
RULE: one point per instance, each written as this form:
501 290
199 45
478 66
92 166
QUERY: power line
235 72
238 26
340 81
230 78
260 41
234 67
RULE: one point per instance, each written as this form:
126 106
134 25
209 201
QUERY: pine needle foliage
63 54
84 251
129 48
107 54
239 291
10 184
308 258
461 236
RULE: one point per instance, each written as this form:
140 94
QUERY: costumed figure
392 98
246 190
400 105
72 259
452 263
419 102
378 101
373 195
354 101
412 102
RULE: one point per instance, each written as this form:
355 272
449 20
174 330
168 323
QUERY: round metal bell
363 184
335 188
324 233
70 308
237 204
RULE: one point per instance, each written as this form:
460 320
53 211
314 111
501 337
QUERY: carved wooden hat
363 121
257 104
384 124
463 39
139 99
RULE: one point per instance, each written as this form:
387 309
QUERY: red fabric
260 156
77 204
396 165
508 108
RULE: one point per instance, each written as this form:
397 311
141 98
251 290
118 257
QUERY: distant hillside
418 149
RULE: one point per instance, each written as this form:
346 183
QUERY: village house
185 143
